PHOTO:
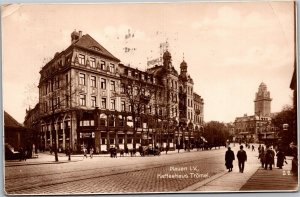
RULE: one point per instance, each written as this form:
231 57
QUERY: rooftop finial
183 56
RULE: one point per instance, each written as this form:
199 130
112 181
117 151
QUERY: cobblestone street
184 172
122 174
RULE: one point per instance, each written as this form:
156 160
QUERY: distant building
257 127
15 133
262 102
32 122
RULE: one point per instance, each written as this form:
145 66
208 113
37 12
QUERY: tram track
82 170
96 173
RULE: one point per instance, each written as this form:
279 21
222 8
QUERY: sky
230 48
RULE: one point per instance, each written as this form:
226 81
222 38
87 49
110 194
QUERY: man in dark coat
229 157
280 158
269 158
242 157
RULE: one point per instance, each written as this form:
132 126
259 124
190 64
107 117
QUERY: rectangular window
81 79
112 68
92 123
103 141
103 83
120 141
129 73
102 65
93 81
103 103
111 141
130 108
149 109
82 99
45 107
81 59
56 82
122 88
93 62
112 85
67 100
113 104
123 105
67 79
58 102
93 101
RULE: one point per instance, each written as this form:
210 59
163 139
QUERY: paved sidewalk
229 181
43 158
47 158
276 179
254 178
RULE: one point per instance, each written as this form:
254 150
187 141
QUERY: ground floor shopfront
102 130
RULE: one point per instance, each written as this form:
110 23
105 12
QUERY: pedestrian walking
167 149
242 158
280 158
178 147
262 156
253 147
111 151
91 152
25 154
259 148
84 152
269 157
229 157
21 150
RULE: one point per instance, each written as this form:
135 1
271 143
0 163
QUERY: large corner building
87 97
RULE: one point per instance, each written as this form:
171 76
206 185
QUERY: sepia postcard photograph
149 97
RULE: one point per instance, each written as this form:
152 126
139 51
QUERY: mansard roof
87 42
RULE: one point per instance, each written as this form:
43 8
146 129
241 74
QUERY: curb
204 182
40 163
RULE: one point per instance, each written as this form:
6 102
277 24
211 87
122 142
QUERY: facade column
125 132
97 141
64 136
73 132
117 139
108 141
50 129
56 136
125 139
45 138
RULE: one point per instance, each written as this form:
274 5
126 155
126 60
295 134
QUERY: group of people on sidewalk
85 152
266 157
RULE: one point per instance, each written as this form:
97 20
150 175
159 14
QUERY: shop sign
87 135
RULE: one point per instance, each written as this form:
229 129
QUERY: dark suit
242 157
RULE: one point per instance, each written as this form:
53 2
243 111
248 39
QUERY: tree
138 94
216 133
59 96
286 121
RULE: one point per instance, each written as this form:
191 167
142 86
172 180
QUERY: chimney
80 34
74 36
